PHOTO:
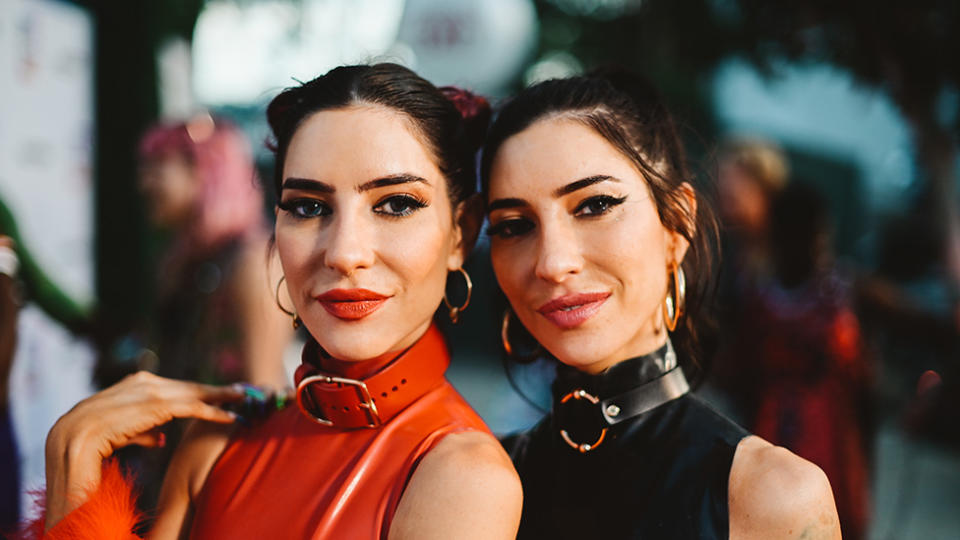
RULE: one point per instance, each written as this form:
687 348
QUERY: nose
559 253
349 244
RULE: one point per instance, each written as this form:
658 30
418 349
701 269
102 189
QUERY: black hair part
450 135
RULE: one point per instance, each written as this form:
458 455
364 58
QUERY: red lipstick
351 304
572 310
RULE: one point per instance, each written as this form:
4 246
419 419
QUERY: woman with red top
375 180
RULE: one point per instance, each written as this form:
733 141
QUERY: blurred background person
216 319
9 460
752 171
803 374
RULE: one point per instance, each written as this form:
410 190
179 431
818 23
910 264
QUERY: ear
467 220
677 245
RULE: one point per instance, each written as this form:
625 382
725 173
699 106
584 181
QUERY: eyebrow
307 184
501 204
392 180
582 183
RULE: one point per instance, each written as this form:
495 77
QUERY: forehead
553 152
357 143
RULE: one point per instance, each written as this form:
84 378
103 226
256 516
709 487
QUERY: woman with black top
600 242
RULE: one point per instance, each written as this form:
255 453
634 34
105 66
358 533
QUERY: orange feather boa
110 512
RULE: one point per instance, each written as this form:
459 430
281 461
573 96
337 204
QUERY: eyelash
508 228
298 207
513 227
607 201
295 207
413 204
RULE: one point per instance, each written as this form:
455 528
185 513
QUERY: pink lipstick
351 304
572 310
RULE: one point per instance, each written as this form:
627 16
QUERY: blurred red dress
808 376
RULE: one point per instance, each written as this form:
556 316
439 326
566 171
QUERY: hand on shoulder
465 487
128 412
773 493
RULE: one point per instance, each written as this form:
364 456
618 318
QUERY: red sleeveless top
291 477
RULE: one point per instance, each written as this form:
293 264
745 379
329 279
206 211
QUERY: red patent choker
333 400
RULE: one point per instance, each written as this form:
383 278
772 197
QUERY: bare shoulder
201 446
774 493
465 487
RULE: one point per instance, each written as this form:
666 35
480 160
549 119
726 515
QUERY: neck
622 376
354 369
358 369
653 340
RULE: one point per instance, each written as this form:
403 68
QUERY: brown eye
510 228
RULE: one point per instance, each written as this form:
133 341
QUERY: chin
352 341
578 350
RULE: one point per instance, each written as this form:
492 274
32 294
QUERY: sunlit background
862 98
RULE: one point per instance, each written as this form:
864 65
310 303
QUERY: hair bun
474 109
469 104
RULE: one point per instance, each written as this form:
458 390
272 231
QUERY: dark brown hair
628 112
447 119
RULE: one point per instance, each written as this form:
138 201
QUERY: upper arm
464 488
774 493
200 448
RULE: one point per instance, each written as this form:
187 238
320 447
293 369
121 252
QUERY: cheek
632 250
294 248
510 264
416 253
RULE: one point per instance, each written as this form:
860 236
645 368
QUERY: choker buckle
309 406
583 448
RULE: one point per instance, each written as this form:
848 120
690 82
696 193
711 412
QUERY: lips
572 310
351 304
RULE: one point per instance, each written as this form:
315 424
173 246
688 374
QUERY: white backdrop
46 150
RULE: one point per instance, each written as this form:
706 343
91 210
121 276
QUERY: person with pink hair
216 321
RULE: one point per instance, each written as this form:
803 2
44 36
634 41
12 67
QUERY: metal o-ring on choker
616 409
582 447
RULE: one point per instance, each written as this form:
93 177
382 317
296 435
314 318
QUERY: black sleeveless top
661 474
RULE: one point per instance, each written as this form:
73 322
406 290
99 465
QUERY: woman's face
171 188
364 231
577 244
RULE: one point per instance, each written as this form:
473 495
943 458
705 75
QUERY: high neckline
313 357
618 378
337 399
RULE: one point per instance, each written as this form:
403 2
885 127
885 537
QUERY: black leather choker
586 406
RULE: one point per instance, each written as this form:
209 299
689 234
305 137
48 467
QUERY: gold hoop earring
673 304
505 333
292 314
455 311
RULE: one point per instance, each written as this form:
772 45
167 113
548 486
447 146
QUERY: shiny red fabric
292 478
